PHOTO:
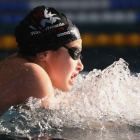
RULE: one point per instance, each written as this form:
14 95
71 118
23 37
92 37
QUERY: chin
66 88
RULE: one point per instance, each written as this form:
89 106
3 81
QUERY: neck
32 59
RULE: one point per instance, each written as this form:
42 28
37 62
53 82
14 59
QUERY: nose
80 66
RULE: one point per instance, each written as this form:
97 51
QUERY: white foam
99 100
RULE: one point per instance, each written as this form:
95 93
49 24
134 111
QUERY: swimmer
49 57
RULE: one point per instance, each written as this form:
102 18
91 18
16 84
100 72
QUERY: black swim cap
44 29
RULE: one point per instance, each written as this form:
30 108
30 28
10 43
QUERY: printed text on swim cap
48 28
54 26
62 34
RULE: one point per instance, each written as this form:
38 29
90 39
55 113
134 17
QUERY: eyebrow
80 48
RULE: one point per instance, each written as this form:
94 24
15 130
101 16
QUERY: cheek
68 62
62 68
66 65
61 65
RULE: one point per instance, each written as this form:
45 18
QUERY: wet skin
24 76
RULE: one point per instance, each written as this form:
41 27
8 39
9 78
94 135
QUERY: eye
74 52
77 52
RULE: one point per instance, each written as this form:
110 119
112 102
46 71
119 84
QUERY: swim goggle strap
74 52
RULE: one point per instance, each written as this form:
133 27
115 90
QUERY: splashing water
100 100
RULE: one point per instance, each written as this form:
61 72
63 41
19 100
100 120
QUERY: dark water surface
8 137
123 133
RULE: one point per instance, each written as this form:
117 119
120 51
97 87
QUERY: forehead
76 44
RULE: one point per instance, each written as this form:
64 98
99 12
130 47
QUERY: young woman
49 57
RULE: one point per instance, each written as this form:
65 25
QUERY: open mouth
73 77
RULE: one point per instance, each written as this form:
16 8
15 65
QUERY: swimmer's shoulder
36 81
23 80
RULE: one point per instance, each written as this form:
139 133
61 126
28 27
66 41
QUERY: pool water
103 105
124 133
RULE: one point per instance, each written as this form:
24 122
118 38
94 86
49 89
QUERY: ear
41 56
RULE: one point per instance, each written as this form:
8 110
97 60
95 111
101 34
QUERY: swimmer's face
62 68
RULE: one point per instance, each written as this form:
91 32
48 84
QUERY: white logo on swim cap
62 34
51 19
75 32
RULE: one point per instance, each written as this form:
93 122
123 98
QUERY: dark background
94 19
